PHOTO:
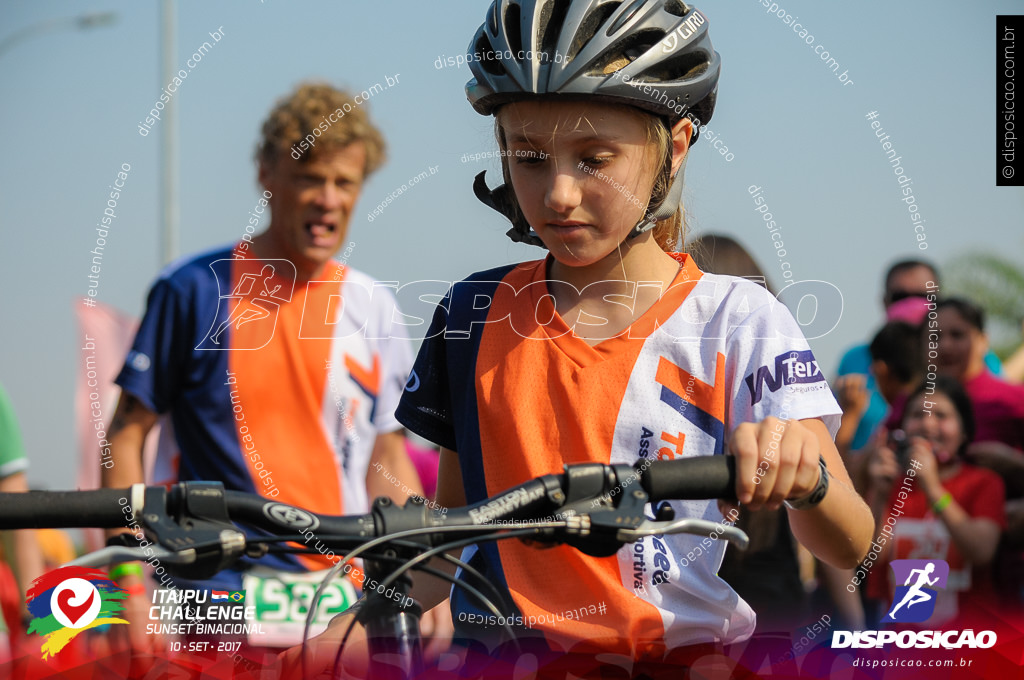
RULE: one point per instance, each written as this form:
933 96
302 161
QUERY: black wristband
817 494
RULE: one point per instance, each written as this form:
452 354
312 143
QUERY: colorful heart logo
70 600
74 612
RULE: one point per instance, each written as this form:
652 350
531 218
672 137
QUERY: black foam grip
700 477
100 508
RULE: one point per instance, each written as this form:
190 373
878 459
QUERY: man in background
279 369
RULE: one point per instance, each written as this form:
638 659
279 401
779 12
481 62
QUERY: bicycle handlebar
99 508
602 507
593 507
700 478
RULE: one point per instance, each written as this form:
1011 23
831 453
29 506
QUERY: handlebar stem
391 617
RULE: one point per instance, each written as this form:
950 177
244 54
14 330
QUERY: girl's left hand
775 460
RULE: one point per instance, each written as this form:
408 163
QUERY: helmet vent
625 17
488 62
552 16
589 28
513 26
626 51
679 68
677 8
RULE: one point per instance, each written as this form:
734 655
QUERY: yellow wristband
943 503
126 569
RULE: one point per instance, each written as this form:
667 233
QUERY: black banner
1008 154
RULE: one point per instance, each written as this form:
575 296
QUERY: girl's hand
776 460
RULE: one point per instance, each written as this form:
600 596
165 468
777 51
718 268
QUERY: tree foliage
997 284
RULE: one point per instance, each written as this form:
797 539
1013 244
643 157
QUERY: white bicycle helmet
565 48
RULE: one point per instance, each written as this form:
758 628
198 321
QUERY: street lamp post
83 22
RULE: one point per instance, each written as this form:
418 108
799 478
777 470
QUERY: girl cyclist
614 347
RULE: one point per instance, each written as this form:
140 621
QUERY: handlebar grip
697 478
100 508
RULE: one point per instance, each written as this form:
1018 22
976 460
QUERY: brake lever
195 526
698 527
120 553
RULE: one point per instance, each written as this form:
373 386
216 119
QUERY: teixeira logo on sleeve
69 600
791 368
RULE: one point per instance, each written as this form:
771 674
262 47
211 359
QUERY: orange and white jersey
503 381
272 385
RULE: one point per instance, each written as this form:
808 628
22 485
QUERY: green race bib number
281 601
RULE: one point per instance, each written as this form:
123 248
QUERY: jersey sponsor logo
413 383
645 442
683 392
366 379
790 368
256 298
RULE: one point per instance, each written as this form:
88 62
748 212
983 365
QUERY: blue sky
73 100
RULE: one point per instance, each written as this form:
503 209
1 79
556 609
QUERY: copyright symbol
1007 171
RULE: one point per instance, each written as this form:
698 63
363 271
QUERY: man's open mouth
320 228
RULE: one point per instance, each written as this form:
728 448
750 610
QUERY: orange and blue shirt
503 381
272 386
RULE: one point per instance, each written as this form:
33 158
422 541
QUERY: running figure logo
914 601
255 298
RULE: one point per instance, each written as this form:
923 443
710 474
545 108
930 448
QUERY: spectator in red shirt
998 405
933 504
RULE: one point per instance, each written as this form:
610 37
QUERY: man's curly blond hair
307 109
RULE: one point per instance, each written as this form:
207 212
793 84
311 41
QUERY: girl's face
961 348
942 429
582 174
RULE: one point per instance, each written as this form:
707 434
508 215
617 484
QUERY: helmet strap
665 210
500 199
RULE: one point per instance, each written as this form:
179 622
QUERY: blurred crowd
932 432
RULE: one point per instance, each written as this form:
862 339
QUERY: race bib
281 600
